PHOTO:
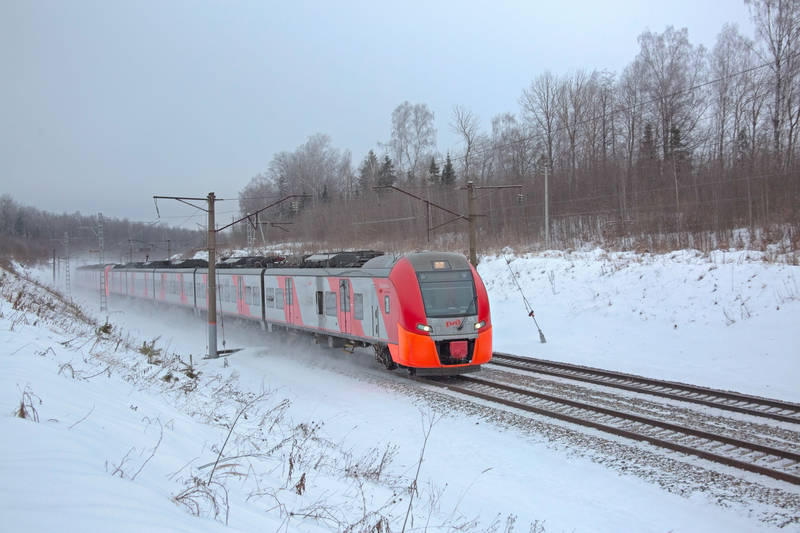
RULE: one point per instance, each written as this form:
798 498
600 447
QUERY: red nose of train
445 325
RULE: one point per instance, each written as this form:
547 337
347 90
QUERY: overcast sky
104 104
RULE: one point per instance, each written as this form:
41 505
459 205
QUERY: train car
132 279
94 277
174 283
118 280
427 312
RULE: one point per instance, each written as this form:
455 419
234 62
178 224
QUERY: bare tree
778 26
413 136
464 123
513 148
539 106
731 55
571 106
672 66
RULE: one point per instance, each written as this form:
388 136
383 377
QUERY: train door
375 327
290 318
344 306
321 282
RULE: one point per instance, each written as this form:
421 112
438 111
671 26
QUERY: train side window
279 298
248 292
358 306
269 296
330 303
320 303
386 304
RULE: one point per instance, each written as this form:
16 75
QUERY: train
426 312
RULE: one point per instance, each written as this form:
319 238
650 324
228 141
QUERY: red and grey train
427 312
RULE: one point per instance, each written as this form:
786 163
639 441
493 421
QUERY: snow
727 320
723 320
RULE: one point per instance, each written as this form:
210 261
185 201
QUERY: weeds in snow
241 412
63 368
26 408
105 329
119 469
265 459
200 497
150 351
428 421
789 292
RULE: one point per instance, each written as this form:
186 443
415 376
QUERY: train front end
445 327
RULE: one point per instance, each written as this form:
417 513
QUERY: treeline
683 141
29 234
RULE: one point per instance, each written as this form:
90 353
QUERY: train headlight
424 327
479 325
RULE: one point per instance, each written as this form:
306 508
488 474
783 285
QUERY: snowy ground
117 440
727 320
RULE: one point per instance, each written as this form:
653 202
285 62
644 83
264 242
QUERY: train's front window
447 294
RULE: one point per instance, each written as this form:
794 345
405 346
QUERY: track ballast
753 457
727 400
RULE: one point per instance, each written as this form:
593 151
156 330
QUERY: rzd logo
452 323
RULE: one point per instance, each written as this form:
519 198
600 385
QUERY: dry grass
27 409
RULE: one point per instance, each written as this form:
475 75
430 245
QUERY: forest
685 147
28 234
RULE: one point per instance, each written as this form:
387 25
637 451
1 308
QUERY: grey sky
104 104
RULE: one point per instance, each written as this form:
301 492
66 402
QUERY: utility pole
546 209
66 269
211 285
212 279
251 235
98 230
471 198
101 239
471 214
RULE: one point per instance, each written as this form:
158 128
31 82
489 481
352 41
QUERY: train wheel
384 356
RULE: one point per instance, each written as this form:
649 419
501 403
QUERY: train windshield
446 294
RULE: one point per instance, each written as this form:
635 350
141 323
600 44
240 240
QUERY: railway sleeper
759 456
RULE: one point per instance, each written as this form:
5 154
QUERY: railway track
761 459
730 401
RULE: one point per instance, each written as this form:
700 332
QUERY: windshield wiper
471 303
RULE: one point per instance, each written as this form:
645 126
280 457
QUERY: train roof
188 263
98 266
366 261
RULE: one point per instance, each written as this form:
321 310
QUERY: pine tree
679 152
448 173
434 175
387 175
677 147
648 158
368 171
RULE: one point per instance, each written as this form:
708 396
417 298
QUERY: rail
728 400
